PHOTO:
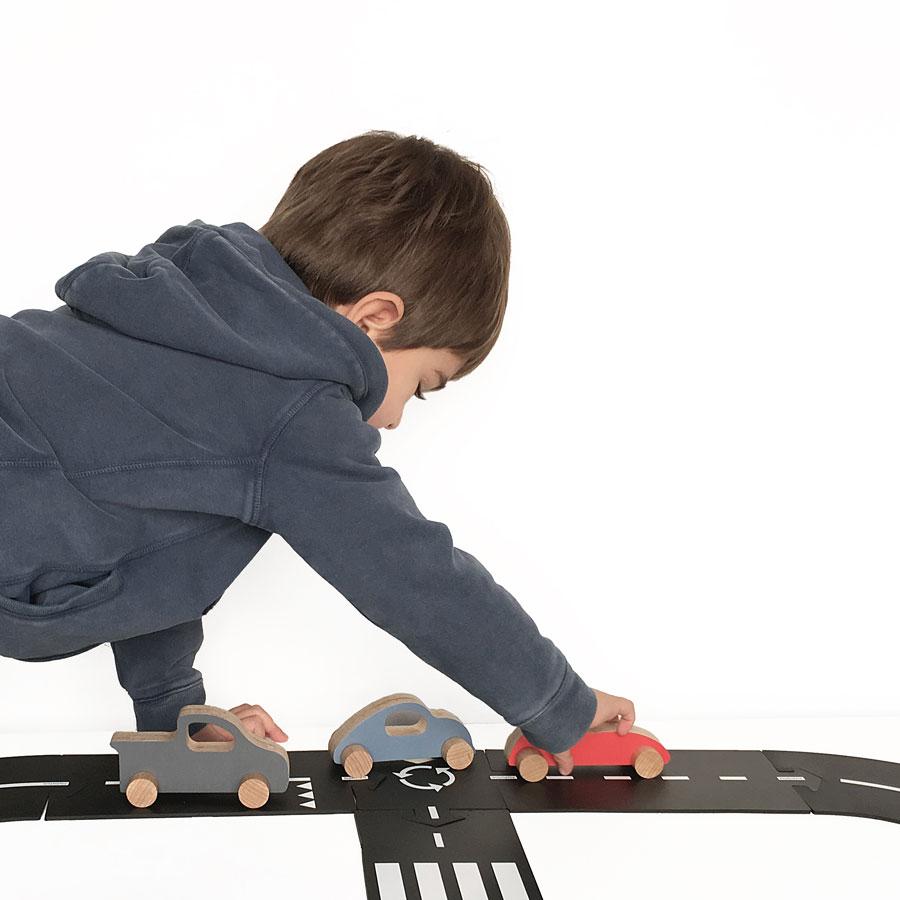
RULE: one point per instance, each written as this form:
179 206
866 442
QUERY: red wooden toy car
600 746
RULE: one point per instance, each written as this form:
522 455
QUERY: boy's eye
418 392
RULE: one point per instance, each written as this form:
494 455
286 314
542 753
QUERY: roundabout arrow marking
403 774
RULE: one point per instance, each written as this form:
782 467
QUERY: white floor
573 855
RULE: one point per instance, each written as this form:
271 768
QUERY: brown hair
385 212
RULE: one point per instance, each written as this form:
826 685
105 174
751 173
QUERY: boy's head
405 238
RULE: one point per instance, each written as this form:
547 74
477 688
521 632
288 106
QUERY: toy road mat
429 832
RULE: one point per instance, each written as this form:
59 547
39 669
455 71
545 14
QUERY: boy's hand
254 718
609 709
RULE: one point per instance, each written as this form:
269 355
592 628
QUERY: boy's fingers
626 713
564 762
267 724
253 724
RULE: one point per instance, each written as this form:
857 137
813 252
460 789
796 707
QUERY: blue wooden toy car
399 727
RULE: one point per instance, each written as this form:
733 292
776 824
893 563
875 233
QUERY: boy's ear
377 311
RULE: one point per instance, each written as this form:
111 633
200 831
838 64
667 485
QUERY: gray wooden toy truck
152 762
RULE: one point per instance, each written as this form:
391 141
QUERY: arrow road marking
403 774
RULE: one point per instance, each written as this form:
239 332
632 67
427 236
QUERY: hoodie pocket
57 592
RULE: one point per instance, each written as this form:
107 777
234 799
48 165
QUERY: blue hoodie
183 405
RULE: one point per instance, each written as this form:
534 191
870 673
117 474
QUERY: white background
681 456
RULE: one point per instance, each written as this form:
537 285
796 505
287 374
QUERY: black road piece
428 832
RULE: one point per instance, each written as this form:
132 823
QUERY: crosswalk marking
510 881
471 887
431 887
390 881
468 878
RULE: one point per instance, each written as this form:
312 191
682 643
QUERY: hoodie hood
226 292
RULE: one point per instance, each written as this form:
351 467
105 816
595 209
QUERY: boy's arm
157 671
353 520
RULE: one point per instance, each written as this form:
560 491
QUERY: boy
224 384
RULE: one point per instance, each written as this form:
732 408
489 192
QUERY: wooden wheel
142 789
648 762
457 752
253 791
531 765
356 760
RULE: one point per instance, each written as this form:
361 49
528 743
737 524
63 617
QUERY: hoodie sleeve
156 670
353 520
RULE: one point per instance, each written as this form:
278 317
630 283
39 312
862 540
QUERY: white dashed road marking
36 784
884 787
